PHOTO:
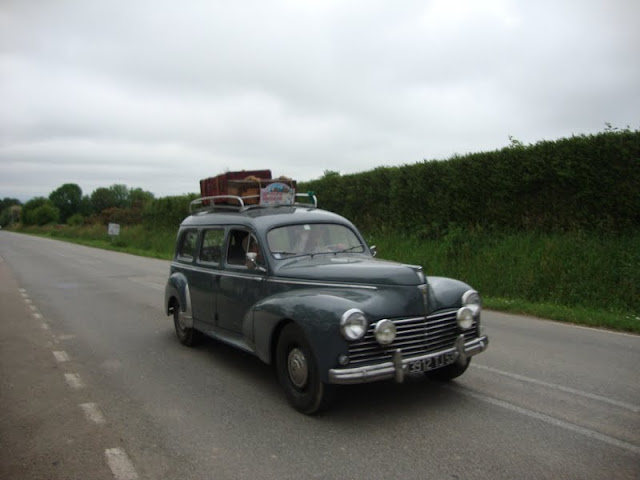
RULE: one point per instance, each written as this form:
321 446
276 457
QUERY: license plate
432 363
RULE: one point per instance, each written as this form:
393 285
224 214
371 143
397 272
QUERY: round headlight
353 324
385 332
465 318
472 299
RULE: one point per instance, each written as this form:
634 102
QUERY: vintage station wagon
299 288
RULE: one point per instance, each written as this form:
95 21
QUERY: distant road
94 385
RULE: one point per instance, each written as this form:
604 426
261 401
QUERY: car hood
350 269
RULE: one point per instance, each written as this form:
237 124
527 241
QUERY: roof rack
209 203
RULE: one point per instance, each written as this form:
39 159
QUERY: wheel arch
177 293
317 316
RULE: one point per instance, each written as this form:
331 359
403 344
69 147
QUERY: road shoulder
43 430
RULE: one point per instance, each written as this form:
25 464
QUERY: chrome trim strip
399 366
247 276
322 284
251 276
222 273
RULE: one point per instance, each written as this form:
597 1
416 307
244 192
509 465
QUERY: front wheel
298 373
449 372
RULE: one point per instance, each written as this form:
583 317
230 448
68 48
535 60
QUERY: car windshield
311 239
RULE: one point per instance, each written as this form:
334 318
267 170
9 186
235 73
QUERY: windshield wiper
282 252
351 248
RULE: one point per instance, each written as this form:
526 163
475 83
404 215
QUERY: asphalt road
95 385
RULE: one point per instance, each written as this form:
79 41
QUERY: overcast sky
159 94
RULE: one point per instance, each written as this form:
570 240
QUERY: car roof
263 218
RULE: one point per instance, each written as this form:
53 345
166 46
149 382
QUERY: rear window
187 245
212 241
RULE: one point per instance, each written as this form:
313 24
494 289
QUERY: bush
44 215
75 220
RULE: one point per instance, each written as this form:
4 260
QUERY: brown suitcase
219 185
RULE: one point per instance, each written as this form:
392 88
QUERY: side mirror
251 260
373 250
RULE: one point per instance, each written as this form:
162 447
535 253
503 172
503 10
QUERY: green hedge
582 183
167 212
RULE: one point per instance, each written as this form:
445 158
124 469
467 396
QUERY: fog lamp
385 332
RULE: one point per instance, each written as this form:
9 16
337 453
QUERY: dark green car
299 288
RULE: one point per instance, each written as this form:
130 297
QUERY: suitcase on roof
219 185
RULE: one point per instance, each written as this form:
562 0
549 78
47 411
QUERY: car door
239 286
204 283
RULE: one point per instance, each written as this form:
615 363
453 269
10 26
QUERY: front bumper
398 367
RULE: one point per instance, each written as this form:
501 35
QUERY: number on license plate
432 363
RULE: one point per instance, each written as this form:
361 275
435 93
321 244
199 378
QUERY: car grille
414 336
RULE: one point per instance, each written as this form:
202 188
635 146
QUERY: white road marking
573 391
120 465
61 356
74 381
44 326
93 413
33 307
550 420
23 292
38 316
28 301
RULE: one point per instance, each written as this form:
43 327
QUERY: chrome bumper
398 367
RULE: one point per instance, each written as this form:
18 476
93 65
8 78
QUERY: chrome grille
414 336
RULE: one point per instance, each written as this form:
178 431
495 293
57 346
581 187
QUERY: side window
188 244
236 250
250 244
212 242
242 242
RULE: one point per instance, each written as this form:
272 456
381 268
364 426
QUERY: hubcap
181 323
298 369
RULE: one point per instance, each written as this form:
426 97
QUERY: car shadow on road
388 398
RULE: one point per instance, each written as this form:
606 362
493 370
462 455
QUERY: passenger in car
236 251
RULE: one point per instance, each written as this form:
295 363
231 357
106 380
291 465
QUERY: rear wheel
298 373
187 335
449 372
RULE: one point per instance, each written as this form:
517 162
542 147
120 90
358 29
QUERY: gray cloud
158 94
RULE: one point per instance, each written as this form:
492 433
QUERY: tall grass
568 273
135 239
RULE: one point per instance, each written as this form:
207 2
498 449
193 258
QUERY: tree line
68 205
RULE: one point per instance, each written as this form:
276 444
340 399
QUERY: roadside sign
114 229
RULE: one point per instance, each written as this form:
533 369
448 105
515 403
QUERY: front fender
316 312
177 288
445 293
